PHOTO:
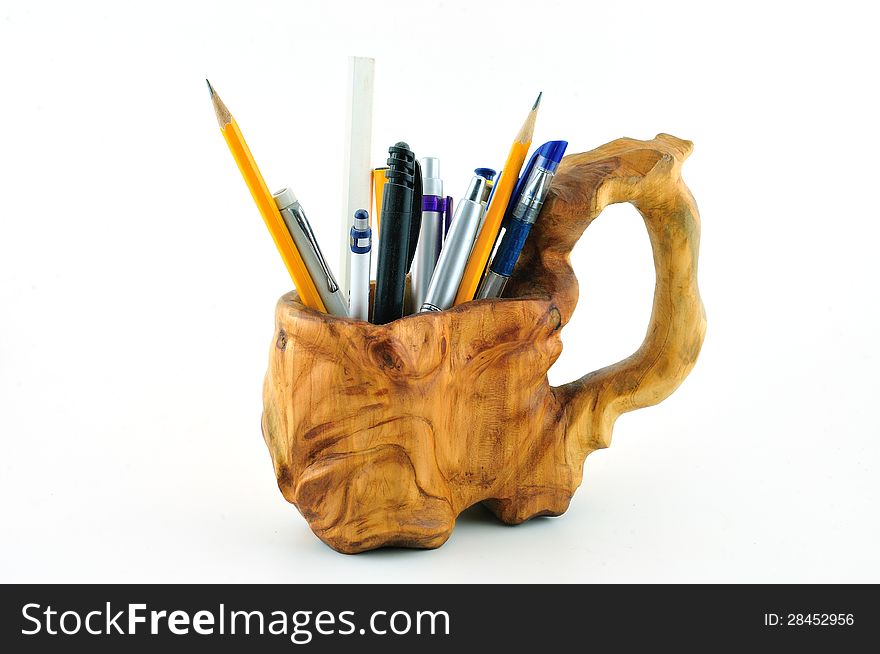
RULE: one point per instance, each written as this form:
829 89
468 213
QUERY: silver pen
456 248
431 232
304 238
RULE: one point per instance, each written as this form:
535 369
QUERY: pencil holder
382 434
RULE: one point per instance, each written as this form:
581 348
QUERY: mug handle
648 175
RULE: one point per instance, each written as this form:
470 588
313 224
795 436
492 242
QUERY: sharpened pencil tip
528 128
223 115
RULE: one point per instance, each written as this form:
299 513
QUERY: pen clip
310 235
416 222
447 216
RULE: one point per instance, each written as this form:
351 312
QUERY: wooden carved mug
382 434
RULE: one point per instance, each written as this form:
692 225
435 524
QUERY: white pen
360 244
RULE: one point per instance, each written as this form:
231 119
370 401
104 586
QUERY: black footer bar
431 618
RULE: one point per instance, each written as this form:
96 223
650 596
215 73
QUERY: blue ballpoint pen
526 202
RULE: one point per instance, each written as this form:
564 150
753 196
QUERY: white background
137 281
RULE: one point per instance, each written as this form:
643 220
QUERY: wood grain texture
382 434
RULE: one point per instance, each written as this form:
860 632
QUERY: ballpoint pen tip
538 100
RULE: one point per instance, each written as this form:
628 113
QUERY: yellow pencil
379 180
308 293
479 257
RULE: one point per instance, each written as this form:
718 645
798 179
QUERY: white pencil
356 181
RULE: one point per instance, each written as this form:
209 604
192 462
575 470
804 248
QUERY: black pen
394 234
